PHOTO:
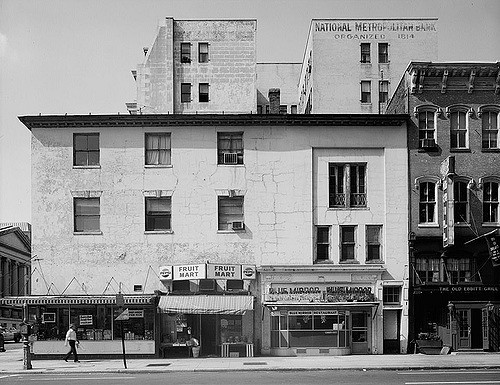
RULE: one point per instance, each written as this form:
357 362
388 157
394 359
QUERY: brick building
354 65
454 178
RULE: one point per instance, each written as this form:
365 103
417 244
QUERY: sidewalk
11 362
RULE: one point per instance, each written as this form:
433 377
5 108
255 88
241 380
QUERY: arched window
459 126
461 201
491 207
427 208
490 116
427 122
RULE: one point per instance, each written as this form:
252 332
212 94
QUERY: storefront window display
310 328
94 322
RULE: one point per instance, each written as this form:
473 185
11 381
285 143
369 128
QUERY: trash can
196 351
2 345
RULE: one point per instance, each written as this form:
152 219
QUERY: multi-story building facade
15 270
306 217
354 65
454 178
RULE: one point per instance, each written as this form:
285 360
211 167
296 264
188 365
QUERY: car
10 334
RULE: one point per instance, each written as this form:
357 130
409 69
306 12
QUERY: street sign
124 316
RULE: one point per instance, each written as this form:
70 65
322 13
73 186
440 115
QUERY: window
181 286
86 149
347 185
373 243
490 202
458 130
365 53
391 295
207 285
383 53
490 129
203 92
203 52
234 284
158 150
461 203
259 109
283 109
427 128
348 243
322 243
427 269
366 90
231 213
230 148
427 202
293 109
185 92
87 215
158 214
460 270
185 52
267 109
383 92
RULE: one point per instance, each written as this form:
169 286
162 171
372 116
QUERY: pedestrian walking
73 343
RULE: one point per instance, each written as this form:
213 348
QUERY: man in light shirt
73 342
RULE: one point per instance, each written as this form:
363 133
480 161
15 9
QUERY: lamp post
25 331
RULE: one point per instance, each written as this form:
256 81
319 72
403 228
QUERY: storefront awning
129 299
206 304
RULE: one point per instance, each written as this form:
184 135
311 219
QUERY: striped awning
133 299
206 304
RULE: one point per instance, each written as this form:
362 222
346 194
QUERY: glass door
463 316
359 332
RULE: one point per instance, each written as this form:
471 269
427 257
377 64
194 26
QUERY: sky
75 57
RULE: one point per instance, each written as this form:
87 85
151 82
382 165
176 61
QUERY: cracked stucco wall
280 178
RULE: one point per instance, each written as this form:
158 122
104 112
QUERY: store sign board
86 320
493 241
135 313
216 271
318 293
209 270
448 213
183 272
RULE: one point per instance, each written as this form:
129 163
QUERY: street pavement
11 362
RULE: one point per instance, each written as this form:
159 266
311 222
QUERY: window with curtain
86 215
86 149
427 202
347 185
461 202
490 129
426 128
366 91
230 147
427 269
383 94
458 130
460 270
230 213
158 149
158 214
491 202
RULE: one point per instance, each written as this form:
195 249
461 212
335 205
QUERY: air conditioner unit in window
238 225
428 143
230 158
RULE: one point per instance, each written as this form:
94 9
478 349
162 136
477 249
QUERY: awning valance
133 299
206 304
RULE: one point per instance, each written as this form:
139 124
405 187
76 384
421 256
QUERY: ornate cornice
163 120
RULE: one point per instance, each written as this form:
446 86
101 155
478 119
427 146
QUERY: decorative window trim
487 108
157 193
459 107
489 178
427 107
469 112
427 178
86 194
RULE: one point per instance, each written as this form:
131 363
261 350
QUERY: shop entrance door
476 337
359 332
209 335
464 318
392 320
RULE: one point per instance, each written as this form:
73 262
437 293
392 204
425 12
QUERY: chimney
274 100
